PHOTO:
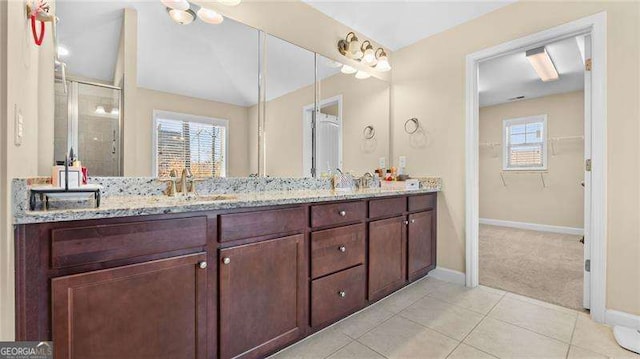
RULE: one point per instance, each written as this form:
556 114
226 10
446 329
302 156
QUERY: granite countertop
136 205
135 196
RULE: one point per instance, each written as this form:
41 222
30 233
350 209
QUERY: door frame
595 26
310 167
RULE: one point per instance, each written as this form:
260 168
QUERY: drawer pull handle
342 294
342 249
342 213
226 260
202 265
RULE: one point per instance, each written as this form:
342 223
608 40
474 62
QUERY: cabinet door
262 296
421 244
387 256
155 309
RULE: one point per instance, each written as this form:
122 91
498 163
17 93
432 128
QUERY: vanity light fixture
100 110
362 75
346 69
181 5
382 61
182 17
350 46
543 65
368 55
210 16
115 111
63 51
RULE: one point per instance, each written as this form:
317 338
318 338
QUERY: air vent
516 98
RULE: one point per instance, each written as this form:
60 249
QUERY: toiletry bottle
387 176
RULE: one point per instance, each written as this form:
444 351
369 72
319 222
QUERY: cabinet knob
226 260
406 222
342 249
342 213
413 221
202 265
342 294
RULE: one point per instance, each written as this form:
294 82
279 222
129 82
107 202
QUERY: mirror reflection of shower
88 119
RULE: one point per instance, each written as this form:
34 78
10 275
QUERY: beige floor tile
320 345
477 299
542 320
362 322
464 351
509 341
428 283
401 338
355 350
403 298
540 303
598 338
446 318
579 353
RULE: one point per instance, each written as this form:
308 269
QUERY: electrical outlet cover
382 162
402 161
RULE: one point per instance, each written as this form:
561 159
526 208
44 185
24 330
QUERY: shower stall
88 119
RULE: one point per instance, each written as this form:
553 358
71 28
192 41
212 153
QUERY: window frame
505 148
178 116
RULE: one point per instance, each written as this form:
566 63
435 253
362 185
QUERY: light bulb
362 75
210 16
369 57
354 48
346 69
100 110
182 17
229 2
176 4
63 51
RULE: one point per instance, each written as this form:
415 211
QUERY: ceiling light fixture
542 64
63 51
350 46
182 5
382 61
182 17
210 16
362 75
346 69
368 55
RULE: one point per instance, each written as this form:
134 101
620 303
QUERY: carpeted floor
540 265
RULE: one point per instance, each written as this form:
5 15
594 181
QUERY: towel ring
411 126
369 132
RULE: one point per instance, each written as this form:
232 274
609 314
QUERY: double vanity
238 275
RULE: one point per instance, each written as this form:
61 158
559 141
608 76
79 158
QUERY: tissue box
58 177
410 184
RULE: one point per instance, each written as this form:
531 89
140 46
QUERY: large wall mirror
145 95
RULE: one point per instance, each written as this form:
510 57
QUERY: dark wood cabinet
421 250
155 309
387 256
262 296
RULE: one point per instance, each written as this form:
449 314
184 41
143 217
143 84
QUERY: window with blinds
525 143
184 141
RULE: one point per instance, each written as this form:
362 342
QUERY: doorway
322 138
594 27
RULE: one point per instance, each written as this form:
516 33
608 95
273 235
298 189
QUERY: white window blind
197 144
525 143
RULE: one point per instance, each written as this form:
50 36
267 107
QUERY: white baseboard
448 275
614 317
533 226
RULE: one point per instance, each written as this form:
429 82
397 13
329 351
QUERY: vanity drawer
337 295
387 207
422 202
336 249
107 242
263 223
337 213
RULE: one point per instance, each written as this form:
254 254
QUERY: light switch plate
19 126
382 162
402 161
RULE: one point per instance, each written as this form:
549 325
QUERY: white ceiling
511 75
396 24
214 62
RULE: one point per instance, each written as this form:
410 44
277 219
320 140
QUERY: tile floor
436 319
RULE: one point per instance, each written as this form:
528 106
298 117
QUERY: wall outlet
382 162
19 126
402 161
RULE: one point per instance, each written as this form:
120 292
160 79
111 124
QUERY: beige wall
429 83
27 78
364 102
524 199
147 101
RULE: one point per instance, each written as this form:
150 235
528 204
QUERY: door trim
594 25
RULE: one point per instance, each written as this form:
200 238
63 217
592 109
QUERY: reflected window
189 141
